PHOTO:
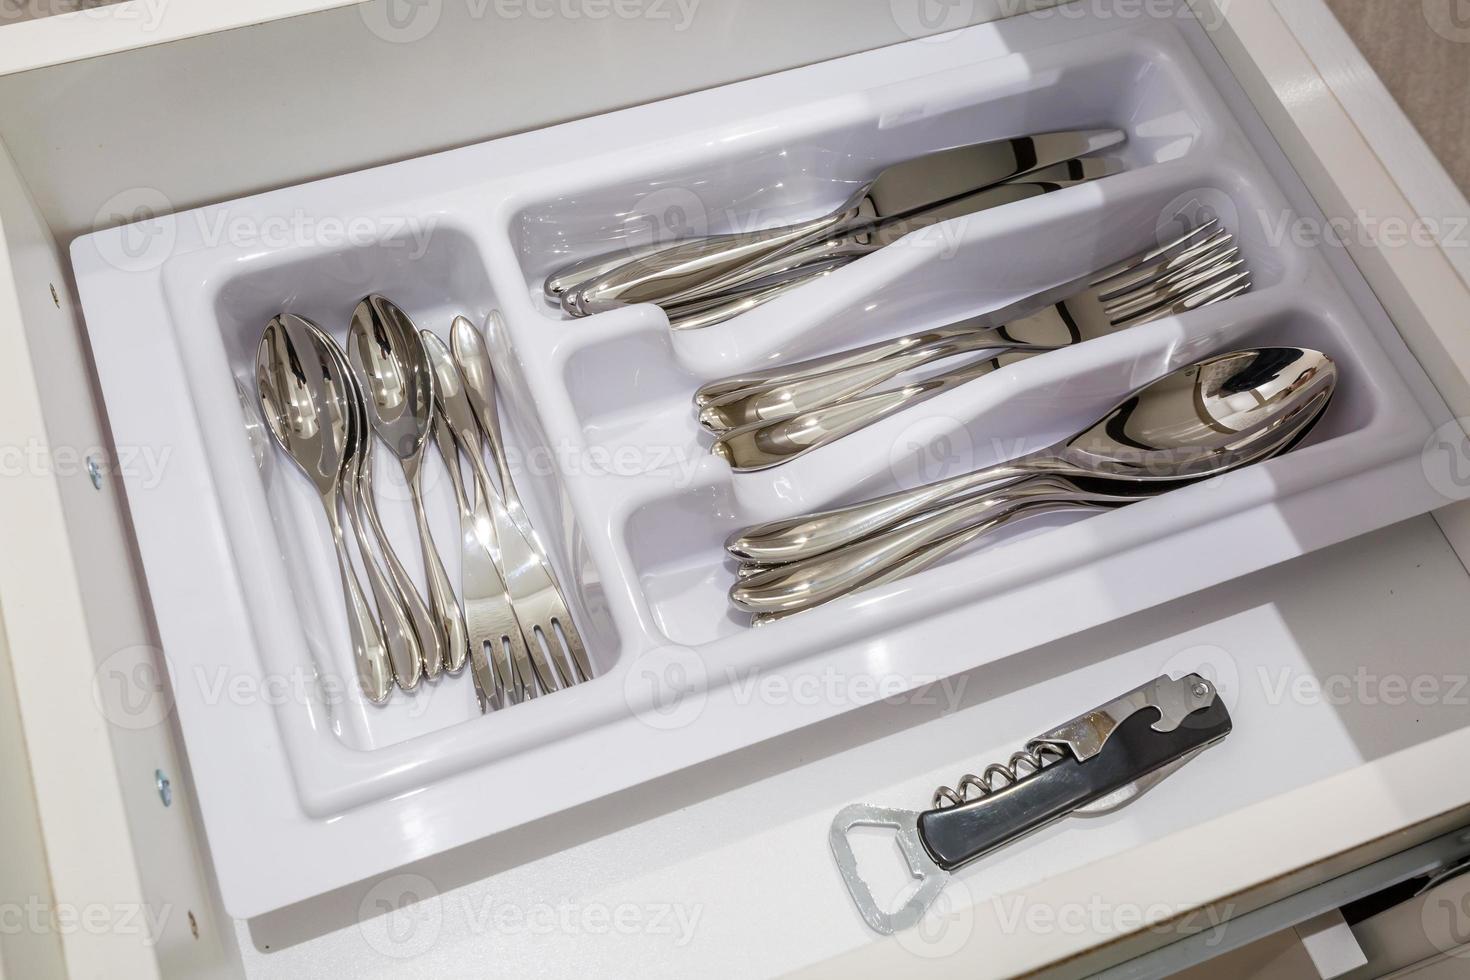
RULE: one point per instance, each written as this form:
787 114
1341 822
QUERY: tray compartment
433 278
675 542
803 162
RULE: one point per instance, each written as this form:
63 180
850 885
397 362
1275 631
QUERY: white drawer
218 142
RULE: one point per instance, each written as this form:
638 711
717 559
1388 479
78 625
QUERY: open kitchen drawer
1345 667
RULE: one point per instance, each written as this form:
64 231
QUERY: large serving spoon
398 384
1195 423
302 391
927 539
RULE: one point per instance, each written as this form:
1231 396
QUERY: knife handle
675 270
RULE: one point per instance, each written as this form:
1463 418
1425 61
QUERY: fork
533 581
1194 270
525 578
489 619
800 408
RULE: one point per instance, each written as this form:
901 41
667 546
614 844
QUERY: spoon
925 540
1193 424
398 624
302 391
398 384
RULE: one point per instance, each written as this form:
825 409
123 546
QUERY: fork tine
573 642
1180 266
539 648
1209 295
1166 294
1147 273
1153 256
519 666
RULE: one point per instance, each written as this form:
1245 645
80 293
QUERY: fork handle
779 402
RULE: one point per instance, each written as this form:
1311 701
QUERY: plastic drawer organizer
617 475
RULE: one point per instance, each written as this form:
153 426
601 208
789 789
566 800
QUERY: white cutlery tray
304 787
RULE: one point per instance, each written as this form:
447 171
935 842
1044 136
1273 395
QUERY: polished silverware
302 392
548 607
916 544
513 554
1198 269
499 661
1195 423
697 267
870 238
727 305
398 384
399 630
737 293
774 424
402 583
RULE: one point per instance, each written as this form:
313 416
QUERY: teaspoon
302 393
398 385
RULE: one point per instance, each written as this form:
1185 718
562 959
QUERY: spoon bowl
384 349
304 398
397 378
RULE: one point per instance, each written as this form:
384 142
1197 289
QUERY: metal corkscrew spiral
1033 758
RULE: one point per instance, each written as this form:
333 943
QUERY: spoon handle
782 542
450 620
374 669
397 629
430 652
918 561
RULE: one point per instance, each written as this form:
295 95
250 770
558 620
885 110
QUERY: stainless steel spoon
399 630
302 397
398 384
927 539
1195 423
